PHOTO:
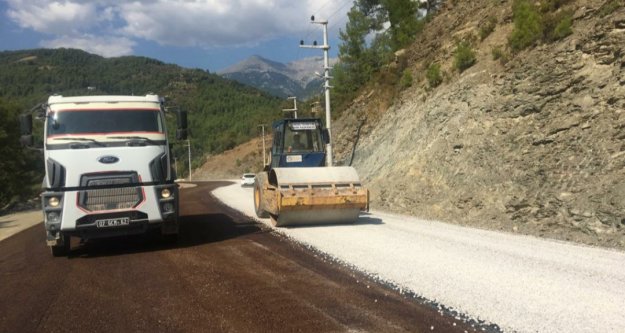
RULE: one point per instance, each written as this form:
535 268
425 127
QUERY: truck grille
111 192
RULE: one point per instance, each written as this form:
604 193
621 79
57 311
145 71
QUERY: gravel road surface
519 283
227 273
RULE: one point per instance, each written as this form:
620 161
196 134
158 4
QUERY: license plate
120 221
293 158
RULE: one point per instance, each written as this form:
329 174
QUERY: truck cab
108 168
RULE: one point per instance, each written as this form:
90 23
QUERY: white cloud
53 17
205 23
104 46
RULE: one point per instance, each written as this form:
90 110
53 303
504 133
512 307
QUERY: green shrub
610 7
528 27
497 53
500 54
434 76
464 57
406 79
488 27
558 26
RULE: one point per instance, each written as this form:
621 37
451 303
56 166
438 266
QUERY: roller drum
322 195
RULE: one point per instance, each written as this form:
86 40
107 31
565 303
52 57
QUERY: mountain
296 78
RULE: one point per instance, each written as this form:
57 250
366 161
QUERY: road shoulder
13 223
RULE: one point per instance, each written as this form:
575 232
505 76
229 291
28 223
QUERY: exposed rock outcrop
535 146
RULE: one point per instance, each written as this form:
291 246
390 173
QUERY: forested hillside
222 113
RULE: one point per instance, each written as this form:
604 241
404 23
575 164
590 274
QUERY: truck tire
61 250
258 198
170 239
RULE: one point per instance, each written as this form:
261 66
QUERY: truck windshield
104 121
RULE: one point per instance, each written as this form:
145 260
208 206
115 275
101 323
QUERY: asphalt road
227 273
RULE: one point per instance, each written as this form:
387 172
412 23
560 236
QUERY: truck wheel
258 201
62 249
170 239
169 232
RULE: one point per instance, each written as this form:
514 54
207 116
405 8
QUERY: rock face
535 146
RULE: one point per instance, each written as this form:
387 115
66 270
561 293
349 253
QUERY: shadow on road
8 224
195 230
365 220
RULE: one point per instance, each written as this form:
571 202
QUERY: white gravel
520 283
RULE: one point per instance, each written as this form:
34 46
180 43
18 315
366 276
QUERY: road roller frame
297 189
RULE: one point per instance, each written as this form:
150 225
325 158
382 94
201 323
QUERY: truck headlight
165 193
54 202
53 217
168 207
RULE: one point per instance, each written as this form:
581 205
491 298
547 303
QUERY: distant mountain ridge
296 78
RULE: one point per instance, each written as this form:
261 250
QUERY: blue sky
207 34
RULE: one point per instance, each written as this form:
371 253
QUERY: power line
339 9
309 31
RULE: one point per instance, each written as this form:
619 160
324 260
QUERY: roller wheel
258 201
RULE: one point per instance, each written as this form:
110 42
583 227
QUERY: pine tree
353 51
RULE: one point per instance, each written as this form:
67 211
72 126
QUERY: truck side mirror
325 136
26 130
182 119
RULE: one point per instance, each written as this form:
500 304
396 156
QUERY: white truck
107 167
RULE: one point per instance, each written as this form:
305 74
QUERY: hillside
222 113
296 78
534 145
244 158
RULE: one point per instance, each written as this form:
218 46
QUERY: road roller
297 188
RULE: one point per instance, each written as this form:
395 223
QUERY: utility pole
294 109
262 126
189 147
326 76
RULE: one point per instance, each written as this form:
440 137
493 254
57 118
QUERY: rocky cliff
535 145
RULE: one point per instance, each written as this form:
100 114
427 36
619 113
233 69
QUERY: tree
353 49
403 17
18 167
430 6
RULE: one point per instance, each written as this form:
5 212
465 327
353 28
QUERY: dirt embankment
244 158
535 146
